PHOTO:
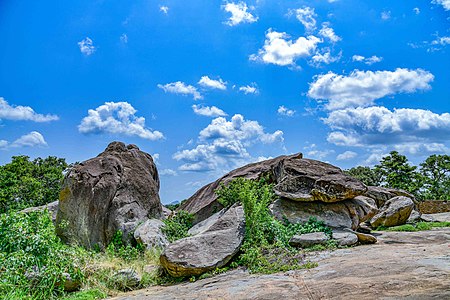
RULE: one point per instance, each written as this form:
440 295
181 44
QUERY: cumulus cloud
347 155
324 57
168 172
207 82
31 139
239 13
278 49
164 9
87 46
208 111
117 118
223 144
361 88
445 3
124 38
328 33
249 89
181 88
22 113
284 111
306 16
367 60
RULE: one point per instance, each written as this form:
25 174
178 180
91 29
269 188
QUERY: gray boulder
113 191
51 207
383 194
395 211
363 238
208 250
414 217
206 224
308 239
344 214
439 217
126 279
345 238
150 234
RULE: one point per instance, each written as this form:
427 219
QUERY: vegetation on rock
420 226
177 226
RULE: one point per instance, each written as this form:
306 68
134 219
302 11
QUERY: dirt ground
402 265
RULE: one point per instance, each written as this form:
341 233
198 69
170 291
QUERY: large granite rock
150 235
208 250
439 217
345 238
294 177
308 239
51 207
344 214
113 191
383 194
395 211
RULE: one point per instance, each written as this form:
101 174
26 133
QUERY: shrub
178 225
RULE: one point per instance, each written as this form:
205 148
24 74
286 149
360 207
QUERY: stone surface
440 217
308 239
402 265
206 224
51 207
113 191
345 238
414 217
150 234
395 211
363 238
208 250
126 279
344 214
383 194
434 206
166 212
294 177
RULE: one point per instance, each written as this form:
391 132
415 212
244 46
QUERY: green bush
178 225
420 226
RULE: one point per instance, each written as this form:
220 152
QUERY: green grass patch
420 226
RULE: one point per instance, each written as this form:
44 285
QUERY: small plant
178 225
420 226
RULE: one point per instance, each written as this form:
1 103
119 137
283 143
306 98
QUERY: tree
25 183
366 175
436 176
397 173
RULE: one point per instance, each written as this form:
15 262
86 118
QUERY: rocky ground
407 265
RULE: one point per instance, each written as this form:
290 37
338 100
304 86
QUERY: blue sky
207 86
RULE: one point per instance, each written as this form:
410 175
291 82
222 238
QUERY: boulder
114 191
344 214
208 250
150 235
166 212
363 238
383 194
126 279
395 211
51 207
308 239
206 224
294 177
345 238
414 217
439 217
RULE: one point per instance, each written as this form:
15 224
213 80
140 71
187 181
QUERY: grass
420 226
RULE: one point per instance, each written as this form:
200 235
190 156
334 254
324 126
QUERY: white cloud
219 84
444 3
306 16
249 89
3 144
442 41
324 57
347 155
239 13
386 15
223 144
208 111
280 51
284 111
328 33
367 60
181 88
164 9
416 10
168 172
87 46
361 88
124 38
31 139
22 113
117 118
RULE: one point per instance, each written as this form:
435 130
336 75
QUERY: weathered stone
113 191
364 228
414 217
166 212
206 224
345 238
208 250
150 234
308 239
51 207
294 177
126 279
394 212
383 194
344 214
440 217
363 238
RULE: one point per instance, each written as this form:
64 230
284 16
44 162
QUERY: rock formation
395 211
113 191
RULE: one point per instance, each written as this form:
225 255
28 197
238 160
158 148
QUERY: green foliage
420 226
117 248
178 225
32 258
25 183
436 177
94 294
366 175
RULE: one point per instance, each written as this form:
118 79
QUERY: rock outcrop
383 194
150 235
308 239
113 191
208 250
395 211
345 238
295 178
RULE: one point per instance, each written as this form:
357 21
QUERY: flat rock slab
403 265
308 239
440 217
